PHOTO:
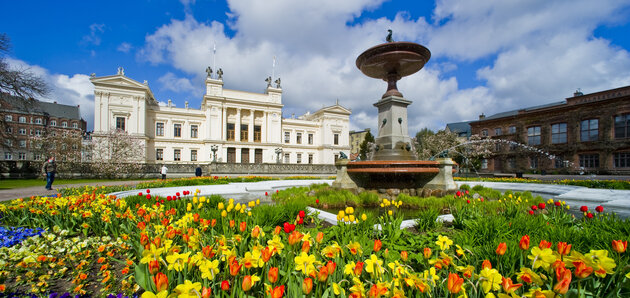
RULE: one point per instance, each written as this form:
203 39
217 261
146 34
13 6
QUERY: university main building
230 126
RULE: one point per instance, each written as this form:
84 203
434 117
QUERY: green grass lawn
19 183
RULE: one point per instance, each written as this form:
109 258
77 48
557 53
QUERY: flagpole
214 57
273 68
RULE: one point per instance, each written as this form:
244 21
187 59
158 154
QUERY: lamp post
214 149
278 152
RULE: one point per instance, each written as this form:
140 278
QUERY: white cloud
538 50
95 34
124 47
171 82
69 90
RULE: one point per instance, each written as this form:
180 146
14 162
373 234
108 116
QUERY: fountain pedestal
393 141
444 178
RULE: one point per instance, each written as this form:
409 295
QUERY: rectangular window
533 162
621 160
336 139
38 121
287 158
497 131
589 130
194 129
177 154
533 135
39 133
497 147
622 126
22 143
177 130
298 138
230 132
8 143
8 129
75 125
120 123
299 158
23 131
484 163
22 119
159 154
53 122
512 129
558 163
589 160
310 159
245 155
310 139
257 133
22 156
244 133
559 133
193 155
8 118
37 156
8 156
159 129
287 137
484 132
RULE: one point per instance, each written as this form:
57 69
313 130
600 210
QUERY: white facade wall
223 115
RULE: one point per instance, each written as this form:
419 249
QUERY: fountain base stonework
394 164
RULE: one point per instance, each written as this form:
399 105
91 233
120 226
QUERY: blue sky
487 57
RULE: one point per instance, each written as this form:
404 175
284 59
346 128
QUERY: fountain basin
392 173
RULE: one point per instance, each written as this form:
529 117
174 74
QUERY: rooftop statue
220 74
277 83
268 80
209 71
389 36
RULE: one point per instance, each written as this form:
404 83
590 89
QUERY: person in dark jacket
198 171
49 169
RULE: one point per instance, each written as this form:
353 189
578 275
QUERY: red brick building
584 133
23 119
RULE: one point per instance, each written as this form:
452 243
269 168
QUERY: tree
420 138
66 146
115 153
430 144
364 147
16 82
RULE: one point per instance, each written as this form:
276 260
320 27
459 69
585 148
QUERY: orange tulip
426 252
524 243
501 248
404 255
247 283
358 268
144 239
266 254
154 266
322 275
544 244
256 232
508 286
235 268
377 245
581 270
331 267
232 223
564 248
273 275
562 286
454 283
213 222
620 246
307 286
207 251
319 237
277 230
295 237
486 264
161 282
277 292
225 285
243 226
377 291
306 246
206 292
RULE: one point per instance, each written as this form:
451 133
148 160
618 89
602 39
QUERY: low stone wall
30 169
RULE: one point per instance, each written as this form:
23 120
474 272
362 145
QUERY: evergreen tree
363 148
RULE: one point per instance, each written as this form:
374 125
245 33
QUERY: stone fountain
394 163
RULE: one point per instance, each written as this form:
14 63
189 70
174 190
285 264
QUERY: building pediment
336 109
118 80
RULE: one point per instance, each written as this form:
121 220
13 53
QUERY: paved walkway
617 201
26 192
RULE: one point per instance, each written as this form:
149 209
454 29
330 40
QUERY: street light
214 149
278 152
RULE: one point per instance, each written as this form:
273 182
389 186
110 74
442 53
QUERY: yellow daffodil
188 289
541 257
209 269
490 280
444 242
374 266
305 263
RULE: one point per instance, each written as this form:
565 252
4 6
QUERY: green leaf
142 278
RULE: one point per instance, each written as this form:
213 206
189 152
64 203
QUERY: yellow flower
444 242
374 266
332 251
151 254
147 294
220 206
542 257
188 289
490 280
355 248
305 263
337 289
363 217
276 243
349 268
602 263
209 269
177 261
529 276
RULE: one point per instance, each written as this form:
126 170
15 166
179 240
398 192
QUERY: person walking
163 172
49 169
198 171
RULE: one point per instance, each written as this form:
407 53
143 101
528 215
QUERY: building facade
230 126
356 138
586 133
24 121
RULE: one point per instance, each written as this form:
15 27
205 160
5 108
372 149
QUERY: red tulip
148 197
206 292
458 193
583 208
541 206
468 201
531 212
301 213
557 203
140 194
534 207
247 283
148 191
599 209
316 201
225 285
544 244
589 215
266 194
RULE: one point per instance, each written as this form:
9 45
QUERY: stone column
264 127
223 135
250 131
444 179
237 126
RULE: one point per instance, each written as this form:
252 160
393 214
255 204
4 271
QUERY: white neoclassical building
235 126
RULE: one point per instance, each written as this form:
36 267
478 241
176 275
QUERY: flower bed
606 184
514 244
